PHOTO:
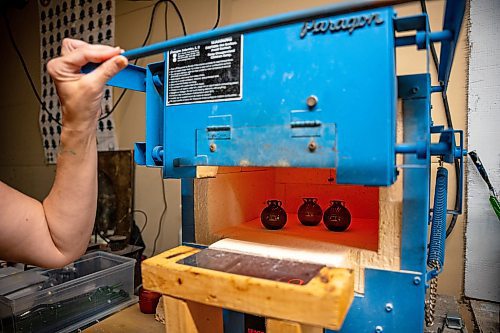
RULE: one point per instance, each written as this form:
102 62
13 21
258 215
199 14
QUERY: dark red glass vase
310 212
273 217
337 217
148 301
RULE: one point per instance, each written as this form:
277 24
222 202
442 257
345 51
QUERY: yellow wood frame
323 302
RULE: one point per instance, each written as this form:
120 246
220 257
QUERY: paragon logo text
350 24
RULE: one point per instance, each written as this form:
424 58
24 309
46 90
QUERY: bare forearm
56 232
70 206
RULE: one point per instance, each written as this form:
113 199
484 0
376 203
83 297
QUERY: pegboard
88 20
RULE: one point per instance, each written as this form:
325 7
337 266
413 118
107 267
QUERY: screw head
311 101
414 90
379 329
389 307
416 280
213 147
312 146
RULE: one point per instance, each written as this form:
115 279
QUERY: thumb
102 74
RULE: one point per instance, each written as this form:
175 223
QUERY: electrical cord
179 15
218 15
449 123
145 218
122 94
28 75
100 233
164 212
165 19
26 71
114 106
165 204
148 35
145 223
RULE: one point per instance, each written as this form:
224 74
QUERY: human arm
56 231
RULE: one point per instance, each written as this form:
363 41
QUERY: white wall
482 266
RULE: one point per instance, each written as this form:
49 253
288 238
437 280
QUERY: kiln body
299 105
346 76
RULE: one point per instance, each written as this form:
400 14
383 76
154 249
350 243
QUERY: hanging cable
143 227
164 212
218 15
114 106
27 72
180 17
449 123
165 18
148 35
145 218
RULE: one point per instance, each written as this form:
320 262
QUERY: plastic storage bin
63 300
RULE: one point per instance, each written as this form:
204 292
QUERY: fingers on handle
107 70
69 44
91 53
52 67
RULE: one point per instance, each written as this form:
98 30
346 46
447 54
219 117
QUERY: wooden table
130 319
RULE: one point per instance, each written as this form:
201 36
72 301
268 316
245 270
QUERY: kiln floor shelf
362 233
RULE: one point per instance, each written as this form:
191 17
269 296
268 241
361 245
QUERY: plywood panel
482 266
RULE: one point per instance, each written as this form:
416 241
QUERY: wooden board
130 319
282 326
191 317
324 301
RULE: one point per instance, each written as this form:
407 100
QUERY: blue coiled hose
438 228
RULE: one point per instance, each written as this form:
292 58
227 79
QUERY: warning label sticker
207 72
